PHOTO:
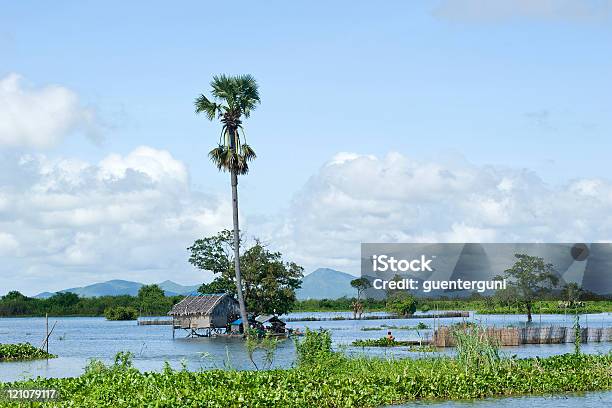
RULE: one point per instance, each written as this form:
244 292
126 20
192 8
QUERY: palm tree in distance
234 97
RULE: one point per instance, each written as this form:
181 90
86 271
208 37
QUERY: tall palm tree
234 97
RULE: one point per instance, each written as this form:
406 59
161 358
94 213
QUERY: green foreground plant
265 344
327 379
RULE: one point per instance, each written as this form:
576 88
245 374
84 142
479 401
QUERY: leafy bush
121 313
22 351
402 305
314 346
382 342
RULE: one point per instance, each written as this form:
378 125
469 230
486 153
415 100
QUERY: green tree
219 285
531 277
269 283
360 284
150 291
402 304
64 299
215 254
152 300
233 98
14 295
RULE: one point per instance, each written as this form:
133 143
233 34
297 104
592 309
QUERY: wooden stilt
47 331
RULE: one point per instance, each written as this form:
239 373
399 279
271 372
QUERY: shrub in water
475 348
314 346
22 351
120 313
402 304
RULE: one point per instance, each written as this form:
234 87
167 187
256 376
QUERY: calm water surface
586 400
78 339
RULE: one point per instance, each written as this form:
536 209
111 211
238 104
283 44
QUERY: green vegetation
150 297
529 278
326 379
121 313
478 303
337 305
476 349
360 284
382 342
425 348
314 347
22 351
420 326
265 344
70 304
401 304
269 284
493 305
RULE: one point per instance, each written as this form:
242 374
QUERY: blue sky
517 87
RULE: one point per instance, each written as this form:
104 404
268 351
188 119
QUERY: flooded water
586 400
76 340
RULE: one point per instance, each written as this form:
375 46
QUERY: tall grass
475 347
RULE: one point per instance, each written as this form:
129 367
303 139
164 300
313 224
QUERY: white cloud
66 222
8 244
501 10
398 199
40 117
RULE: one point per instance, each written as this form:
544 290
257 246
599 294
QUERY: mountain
172 287
122 287
325 283
44 295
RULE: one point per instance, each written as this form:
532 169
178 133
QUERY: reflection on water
78 339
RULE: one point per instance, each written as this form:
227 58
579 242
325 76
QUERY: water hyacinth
22 351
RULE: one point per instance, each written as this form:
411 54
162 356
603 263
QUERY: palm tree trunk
243 313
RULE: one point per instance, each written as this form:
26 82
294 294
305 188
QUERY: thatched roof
197 305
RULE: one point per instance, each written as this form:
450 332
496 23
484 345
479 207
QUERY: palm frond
224 88
203 104
217 156
234 96
248 153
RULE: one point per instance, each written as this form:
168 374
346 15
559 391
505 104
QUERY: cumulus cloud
41 117
65 222
399 199
502 10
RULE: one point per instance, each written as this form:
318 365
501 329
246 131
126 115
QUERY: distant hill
122 287
44 295
325 283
